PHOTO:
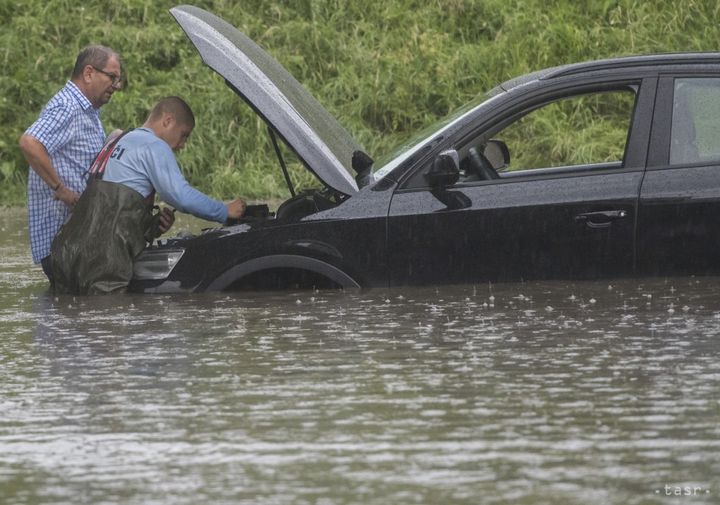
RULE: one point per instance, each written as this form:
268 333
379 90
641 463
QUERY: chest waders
109 226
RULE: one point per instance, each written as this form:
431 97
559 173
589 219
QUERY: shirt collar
78 95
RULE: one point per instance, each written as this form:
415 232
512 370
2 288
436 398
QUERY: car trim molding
283 261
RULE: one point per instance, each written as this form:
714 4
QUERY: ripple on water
448 395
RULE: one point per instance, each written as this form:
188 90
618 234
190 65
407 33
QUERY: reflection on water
535 393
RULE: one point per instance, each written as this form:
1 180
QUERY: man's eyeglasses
116 79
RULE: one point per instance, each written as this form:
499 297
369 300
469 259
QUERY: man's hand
66 196
236 208
167 218
39 160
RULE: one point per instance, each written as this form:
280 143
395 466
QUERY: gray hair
96 56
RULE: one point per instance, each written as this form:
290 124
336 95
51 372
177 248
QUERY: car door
564 208
679 221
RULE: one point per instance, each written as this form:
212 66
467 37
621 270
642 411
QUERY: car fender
282 261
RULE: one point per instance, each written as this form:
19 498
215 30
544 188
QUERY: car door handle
601 219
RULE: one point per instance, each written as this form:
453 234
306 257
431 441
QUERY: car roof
622 62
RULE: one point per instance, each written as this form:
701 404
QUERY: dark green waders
93 252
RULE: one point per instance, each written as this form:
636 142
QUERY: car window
695 131
579 130
587 131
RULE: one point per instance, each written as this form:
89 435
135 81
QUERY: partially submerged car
467 201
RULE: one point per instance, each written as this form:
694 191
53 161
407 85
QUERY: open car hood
319 140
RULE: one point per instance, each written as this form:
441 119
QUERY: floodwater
533 393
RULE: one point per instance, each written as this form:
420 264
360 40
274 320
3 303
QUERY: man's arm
39 160
165 176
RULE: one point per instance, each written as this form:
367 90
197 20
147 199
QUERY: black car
467 201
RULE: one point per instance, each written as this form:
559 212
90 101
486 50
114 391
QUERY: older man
62 143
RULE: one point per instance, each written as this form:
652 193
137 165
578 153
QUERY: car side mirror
362 163
445 169
497 153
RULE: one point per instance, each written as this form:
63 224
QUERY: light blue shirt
70 129
143 162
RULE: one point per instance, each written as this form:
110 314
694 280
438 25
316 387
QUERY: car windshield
407 148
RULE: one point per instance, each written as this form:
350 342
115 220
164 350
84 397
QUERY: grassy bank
383 68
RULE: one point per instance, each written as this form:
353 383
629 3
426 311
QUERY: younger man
94 251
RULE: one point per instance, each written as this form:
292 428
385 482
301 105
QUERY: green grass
384 69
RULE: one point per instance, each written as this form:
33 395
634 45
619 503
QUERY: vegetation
384 69
581 129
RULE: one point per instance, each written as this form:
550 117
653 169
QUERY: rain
536 392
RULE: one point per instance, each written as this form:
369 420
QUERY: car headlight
156 263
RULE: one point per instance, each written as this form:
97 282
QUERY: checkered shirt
70 129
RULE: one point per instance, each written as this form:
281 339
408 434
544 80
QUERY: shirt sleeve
167 180
52 128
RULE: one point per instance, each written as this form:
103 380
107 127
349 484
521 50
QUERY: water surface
532 393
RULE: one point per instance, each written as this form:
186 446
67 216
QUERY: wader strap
97 169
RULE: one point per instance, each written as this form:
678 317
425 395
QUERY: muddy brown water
533 393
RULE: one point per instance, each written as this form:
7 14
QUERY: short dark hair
96 56
177 107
